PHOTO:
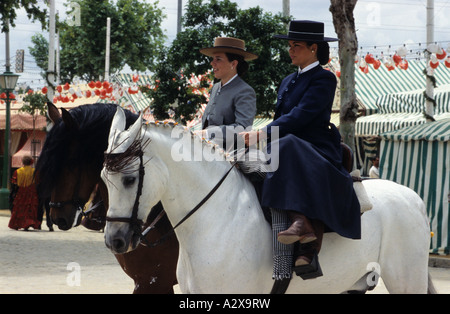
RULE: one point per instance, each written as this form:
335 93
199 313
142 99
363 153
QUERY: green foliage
8 11
136 38
203 22
173 94
39 51
34 102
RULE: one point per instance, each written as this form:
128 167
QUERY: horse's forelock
90 138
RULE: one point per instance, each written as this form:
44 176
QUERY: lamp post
8 82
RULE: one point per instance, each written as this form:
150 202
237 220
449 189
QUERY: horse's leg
404 250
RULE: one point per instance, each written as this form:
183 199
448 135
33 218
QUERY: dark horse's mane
79 146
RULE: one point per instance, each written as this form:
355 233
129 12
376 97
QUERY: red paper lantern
66 86
403 65
447 62
59 88
397 59
105 84
91 84
434 65
88 93
369 58
376 64
98 84
442 55
44 90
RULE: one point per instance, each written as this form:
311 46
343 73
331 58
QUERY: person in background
25 205
374 171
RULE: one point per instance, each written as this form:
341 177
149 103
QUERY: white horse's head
123 174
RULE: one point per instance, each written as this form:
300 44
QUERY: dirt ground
77 261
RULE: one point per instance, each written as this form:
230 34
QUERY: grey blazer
233 106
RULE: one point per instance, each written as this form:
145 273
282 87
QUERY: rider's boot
301 230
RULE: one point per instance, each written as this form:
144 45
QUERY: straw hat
306 31
230 45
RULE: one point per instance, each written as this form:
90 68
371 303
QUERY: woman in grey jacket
232 104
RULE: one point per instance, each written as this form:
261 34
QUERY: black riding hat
306 31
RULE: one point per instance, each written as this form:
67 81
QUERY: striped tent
419 157
401 110
135 102
396 111
369 87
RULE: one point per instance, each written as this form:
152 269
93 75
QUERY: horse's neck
194 175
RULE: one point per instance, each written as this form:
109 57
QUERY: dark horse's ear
69 121
53 112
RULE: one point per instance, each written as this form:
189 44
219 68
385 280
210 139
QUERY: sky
382 26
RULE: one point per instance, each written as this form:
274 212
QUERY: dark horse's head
72 157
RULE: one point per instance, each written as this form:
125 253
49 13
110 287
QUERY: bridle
76 201
136 224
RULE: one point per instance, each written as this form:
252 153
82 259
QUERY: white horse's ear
135 129
117 126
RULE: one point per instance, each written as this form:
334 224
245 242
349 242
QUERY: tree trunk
344 25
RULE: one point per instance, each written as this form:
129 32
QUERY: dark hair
323 51
27 160
242 67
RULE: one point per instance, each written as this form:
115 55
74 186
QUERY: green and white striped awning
419 158
137 102
401 110
369 87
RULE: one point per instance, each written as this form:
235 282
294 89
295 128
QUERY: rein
136 223
189 214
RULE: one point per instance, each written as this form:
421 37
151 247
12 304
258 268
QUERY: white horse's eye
128 181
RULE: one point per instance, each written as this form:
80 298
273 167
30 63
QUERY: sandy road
40 262
77 261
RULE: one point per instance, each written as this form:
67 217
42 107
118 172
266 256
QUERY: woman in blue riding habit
310 185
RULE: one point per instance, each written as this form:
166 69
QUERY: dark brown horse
68 170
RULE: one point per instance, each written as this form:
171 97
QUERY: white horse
226 246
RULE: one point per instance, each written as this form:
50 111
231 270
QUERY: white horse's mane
226 155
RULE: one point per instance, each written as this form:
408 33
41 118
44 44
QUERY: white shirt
308 67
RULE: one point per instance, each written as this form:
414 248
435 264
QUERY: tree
205 20
136 38
34 103
39 51
344 24
8 11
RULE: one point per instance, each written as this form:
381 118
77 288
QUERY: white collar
309 67
229 81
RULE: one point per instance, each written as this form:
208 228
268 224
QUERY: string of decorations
397 58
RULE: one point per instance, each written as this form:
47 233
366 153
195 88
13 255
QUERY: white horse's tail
431 289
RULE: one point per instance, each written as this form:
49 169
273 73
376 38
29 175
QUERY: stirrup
309 271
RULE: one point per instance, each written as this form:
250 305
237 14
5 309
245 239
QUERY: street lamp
8 82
